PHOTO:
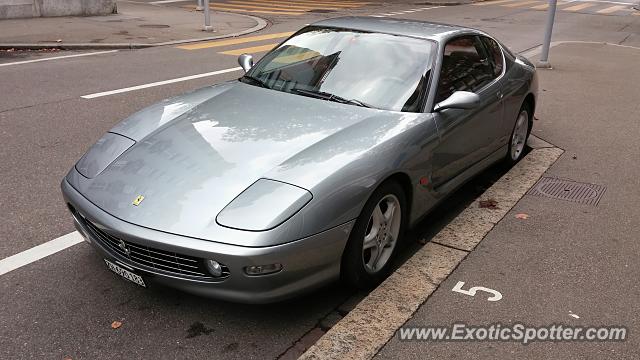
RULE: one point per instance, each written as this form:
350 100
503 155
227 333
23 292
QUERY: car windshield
375 70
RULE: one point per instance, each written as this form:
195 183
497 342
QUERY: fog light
262 269
214 267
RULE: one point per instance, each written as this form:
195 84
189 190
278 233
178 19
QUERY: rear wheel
374 239
519 135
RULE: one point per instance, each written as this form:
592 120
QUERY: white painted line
159 83
38 252
58 58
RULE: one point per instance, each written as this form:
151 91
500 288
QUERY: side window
465 67
495 55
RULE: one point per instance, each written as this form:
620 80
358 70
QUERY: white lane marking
38 252
158 83
58 58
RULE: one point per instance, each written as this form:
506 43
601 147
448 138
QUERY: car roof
414 28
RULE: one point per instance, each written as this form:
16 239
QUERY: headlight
263 206
103 153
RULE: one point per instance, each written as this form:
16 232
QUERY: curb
374 321
261 24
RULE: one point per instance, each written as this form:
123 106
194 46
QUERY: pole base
543 65
207 28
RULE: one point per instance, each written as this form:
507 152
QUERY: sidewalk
566 263
136 25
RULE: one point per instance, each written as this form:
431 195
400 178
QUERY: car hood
190 167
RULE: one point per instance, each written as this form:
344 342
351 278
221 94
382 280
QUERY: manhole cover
568 190
154 26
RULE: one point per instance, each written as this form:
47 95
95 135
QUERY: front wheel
374 239
519 135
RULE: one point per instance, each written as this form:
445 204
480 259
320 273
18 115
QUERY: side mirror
458 100
245 61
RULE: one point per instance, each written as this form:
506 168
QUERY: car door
466 136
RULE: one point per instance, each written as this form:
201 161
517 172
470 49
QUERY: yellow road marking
296 57
579 7
287 5
546 6
521 3
234 41
492 2
219 7
313 4
255 49
250 7
611 9
329 2
540 7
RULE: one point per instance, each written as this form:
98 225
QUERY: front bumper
307 263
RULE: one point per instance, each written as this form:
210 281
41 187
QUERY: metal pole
207 17
199 6
544 57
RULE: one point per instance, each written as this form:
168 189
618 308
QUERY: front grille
157 259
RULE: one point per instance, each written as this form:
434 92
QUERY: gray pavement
566 258
63 305
136 23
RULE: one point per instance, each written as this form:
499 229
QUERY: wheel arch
530 102
404 181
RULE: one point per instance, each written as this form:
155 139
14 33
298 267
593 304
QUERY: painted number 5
472 291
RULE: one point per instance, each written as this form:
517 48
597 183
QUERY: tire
367 267
519 135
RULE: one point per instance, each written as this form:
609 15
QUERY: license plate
137 279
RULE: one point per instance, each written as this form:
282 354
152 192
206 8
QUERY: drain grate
583 193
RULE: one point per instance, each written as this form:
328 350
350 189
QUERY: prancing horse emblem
138 200
124 247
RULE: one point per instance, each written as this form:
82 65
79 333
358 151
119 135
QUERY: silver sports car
308 168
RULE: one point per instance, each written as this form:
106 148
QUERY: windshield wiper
330 97
256 81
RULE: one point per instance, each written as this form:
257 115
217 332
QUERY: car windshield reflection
373 70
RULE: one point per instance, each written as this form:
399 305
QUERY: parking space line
235 41
58 57
158 83
38 252
255 49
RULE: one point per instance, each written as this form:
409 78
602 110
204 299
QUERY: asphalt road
63 305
